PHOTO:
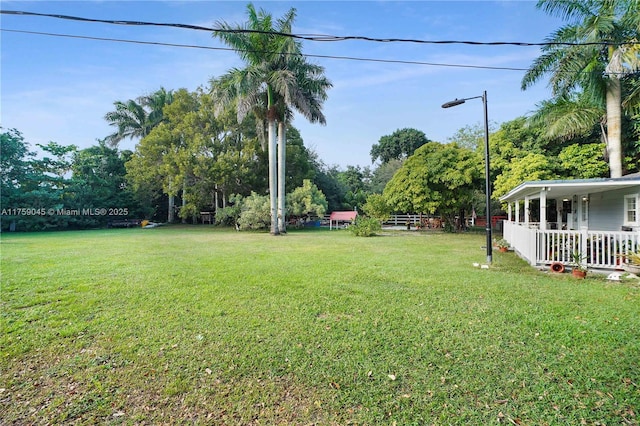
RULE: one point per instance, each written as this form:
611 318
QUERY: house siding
606 209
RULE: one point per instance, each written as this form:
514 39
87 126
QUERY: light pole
456 102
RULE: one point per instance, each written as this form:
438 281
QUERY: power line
350 58
316 37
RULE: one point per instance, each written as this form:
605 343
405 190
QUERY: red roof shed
347 216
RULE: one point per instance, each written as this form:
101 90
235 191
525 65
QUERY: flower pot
557 267
631 268
578 273
503 249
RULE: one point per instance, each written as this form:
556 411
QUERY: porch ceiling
568 188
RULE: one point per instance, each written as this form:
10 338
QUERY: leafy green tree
197 157
437 178
584 161
307 200
15 166
377 207
48 188
147 171
471 137
299 161
99 181
575 64
61 184
382 174
166 158
357 181
399 145
513 140
328 181
532 166
15 175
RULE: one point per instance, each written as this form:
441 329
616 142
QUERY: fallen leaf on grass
392 376
208 371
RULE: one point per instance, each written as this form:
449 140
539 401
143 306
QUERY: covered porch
548 221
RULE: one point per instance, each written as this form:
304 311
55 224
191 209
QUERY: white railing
597 249
522 239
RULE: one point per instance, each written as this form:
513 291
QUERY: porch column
526 211
509 212
543 209
559 213
518 211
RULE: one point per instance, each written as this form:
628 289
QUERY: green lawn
201 325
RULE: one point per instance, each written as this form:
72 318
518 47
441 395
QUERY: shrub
365 226
377 207
228 216
256 212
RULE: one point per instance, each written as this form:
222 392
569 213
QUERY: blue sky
59 89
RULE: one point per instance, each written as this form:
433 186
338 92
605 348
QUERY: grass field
178 325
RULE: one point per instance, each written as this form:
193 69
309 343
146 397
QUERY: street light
457 102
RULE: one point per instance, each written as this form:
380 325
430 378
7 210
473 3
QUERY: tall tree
16 174
305 93
275 80
437 178
577 59
134 119
399 145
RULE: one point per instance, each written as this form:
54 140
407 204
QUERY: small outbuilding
342 218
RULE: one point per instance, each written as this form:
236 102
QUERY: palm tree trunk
184 199
614 129
172 202
273 178
282 154
170 216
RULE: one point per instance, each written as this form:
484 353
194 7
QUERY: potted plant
503 245
578 269
633 264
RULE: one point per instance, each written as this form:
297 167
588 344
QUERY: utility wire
317 37
350 58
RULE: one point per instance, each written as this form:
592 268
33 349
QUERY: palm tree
569 116
130 118
276 79
596 69
305 90
134 119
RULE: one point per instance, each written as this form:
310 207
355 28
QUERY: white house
599 218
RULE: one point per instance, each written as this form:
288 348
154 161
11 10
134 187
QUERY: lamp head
453 103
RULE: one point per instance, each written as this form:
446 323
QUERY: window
585 210
631 210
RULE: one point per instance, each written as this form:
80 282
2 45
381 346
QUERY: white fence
402 220
596 249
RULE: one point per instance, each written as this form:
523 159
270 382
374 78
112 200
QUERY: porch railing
597 249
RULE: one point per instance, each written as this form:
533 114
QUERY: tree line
229 147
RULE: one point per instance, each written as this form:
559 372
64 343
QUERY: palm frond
566 117
566 9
